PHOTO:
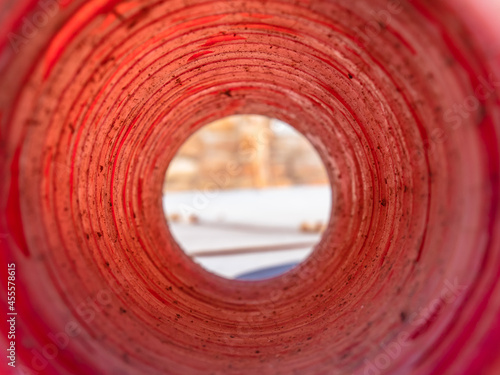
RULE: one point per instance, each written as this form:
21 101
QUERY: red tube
400 99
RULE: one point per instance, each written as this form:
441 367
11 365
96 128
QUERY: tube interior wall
399 98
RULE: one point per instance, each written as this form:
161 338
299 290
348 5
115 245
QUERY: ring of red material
95 103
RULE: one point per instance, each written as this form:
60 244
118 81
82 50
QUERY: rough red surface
400 99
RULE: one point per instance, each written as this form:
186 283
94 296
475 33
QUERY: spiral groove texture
401 101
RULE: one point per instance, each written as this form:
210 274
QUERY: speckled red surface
401 101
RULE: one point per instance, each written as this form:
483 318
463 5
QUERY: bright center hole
247 197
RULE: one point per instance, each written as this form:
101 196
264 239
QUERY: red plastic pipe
401 99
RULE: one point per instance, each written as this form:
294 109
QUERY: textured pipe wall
400 99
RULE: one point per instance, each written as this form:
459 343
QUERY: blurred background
247 197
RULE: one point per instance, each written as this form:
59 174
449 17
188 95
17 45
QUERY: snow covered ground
235 232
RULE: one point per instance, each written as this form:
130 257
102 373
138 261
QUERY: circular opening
247 197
